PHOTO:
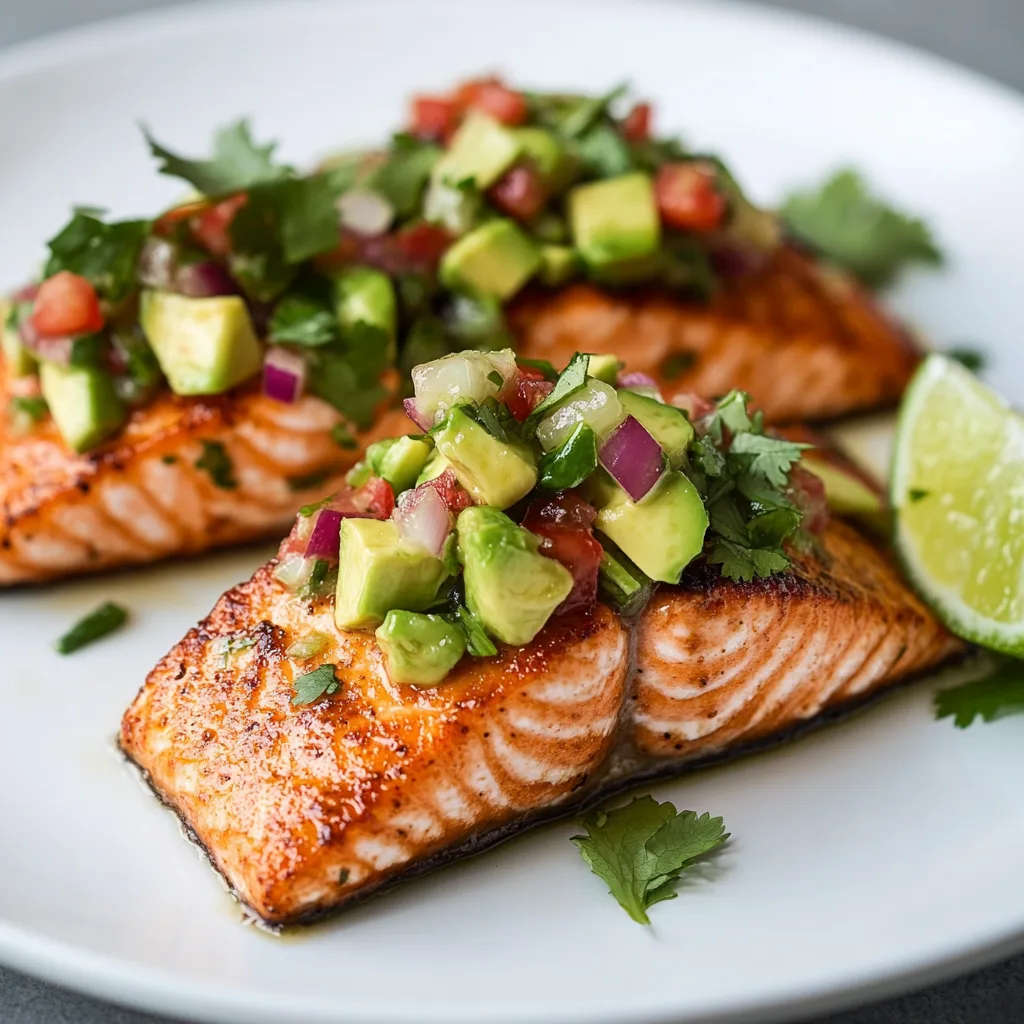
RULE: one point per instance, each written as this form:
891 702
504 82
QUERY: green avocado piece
403 462
83 402
482 150
558 264
365 295
419 649
379 572
615 223
663 532
510 587
204 346
604 368
544 149
494 259
17 358
665 423
494 472
435 465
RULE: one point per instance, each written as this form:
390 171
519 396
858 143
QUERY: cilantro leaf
403 176
858 231
996 695
302 320
228 645
570 380
216 461
478 643
772 457
348 374
604 153
31 409
311 686
641 849
972 359
104 254
743 563
571 464
238 163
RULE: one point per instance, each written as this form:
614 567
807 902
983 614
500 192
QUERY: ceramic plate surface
872 855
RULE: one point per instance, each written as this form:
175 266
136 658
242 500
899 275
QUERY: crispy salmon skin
805 342
304 808
142 497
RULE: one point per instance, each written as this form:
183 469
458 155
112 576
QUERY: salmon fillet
805 342
141 497
304 809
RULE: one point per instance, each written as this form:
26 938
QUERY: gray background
987 35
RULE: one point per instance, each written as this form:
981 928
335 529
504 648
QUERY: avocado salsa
321 282
529 494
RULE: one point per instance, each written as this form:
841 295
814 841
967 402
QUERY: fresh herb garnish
303 320
314 479
314 685
677 364
168 460
228 645
496 419
972 359
641 849
308 510
496 379
478 643
307 646
604 153
916 494
97 624
216 461
238 163
342 437
31 409
403 176
322 580
570 380
996 695
348 374
105 254
550 373
847 224
571 464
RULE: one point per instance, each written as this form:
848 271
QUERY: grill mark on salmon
807 343
305 809
141 497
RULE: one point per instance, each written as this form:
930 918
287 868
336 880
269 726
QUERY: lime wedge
957 490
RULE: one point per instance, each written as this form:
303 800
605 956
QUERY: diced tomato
66 304
167 224
376 497
525 392
519 192
491 97
211 226
807 492
422 245
563 524
434 117
695 406
688 198
636 125
452 493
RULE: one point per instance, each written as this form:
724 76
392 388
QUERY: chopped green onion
308 646
97 624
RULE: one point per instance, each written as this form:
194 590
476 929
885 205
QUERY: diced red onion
157 264
53 350
323 541
365 212
421 421
26 293
423 518
733 259
204 280
637 380
284 375
633 457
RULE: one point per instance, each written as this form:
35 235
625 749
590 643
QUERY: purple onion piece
204 280
423 518
284 375
324 540
637 380
633 457
421 421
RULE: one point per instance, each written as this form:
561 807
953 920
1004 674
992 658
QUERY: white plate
869 856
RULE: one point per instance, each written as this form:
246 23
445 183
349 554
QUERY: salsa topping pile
530 493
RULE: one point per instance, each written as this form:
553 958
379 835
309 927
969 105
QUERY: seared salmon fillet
305 808
803 341
142 497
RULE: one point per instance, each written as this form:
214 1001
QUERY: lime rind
957 491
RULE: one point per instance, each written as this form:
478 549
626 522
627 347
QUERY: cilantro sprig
844 222
640 850
996 695
311 686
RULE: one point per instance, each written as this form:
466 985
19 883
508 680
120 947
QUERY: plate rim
159 990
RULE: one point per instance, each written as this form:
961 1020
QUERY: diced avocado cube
558 264
365 295
510 587
544 149
379 572
83 402
615 222
604 368
204 346
494 259
435 465
596 404
482 150
494 473
663 532
419 649
17 358
403 462
665 423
